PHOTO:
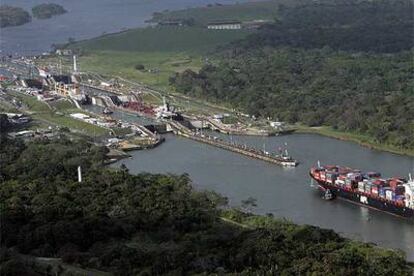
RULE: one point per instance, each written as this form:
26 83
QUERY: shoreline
355 138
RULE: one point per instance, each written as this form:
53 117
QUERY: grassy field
360 139
162 50
159 66
163 39
44 116
241 11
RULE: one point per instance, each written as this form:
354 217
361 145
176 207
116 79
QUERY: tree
249 203
5 124
140 67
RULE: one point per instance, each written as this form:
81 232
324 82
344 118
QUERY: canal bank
282 191
360 139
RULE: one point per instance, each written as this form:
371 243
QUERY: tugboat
328 195
107 111
285 159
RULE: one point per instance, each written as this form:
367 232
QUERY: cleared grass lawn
44 115
63 105
163 39
159 66
162 51
32 103
72 124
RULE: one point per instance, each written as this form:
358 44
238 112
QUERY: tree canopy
346 64
150 224
45 11
13 16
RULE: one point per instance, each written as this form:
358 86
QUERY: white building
79 116
225 25
277 124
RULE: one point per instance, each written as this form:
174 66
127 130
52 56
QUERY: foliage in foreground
152 224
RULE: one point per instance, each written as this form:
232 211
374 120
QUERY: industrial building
225 25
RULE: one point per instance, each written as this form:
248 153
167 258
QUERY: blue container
399 197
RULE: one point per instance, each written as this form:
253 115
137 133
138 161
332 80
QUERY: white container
388 194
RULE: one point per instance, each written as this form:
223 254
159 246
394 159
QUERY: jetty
281 160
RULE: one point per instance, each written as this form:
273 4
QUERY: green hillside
162 51
163 39
343 64
240 11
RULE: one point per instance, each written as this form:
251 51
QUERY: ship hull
364 200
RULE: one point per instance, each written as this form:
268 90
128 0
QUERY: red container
394 182
378 182
342 177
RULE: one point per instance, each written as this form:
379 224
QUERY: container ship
392 195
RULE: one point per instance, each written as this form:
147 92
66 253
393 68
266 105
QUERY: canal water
122 116
287 192
85 19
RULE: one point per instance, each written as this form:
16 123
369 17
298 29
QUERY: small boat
328 195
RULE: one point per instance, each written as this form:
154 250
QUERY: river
85 19
287 192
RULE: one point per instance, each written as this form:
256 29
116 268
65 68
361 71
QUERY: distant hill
267 10
45 11
162 39
343 64
13 16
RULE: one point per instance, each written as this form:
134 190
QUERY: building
63 52
32 83
255 24
172 22
277 125
44 73
15 118
225 25
23 134
64 85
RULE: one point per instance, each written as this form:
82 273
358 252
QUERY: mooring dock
282 160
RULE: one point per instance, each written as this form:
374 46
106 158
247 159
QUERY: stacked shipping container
368 184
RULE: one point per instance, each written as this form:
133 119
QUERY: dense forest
150 224
13 16
45 11
369 26
346 64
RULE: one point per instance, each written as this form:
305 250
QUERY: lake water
287 192
85 19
